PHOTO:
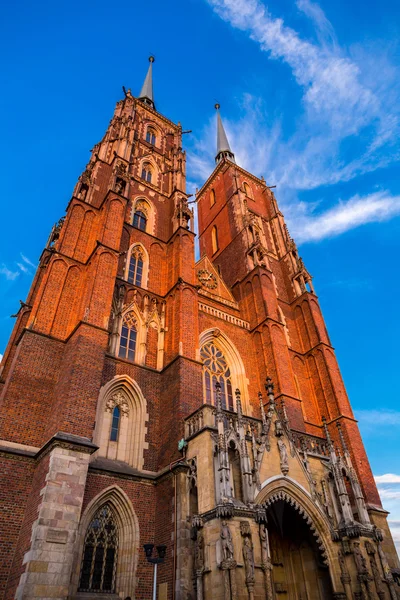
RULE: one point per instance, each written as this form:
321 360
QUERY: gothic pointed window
151 136
139 220
146 172
216 369
127 342
247 190
99 562
135 271
115 424
214 239
212 198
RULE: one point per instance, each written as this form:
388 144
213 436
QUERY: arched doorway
299 571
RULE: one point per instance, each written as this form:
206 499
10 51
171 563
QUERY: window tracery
146 172
99 561
115 424
140 220
135 270
216 369
128 337
151 136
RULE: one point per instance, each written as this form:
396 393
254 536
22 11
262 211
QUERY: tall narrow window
135 271
127 342
212 198
247 190
99 562
139 220
214 239
151 136
146 172
215 369
115 424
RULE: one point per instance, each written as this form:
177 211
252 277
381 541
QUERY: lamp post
161 550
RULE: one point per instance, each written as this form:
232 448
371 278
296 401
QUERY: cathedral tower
146 398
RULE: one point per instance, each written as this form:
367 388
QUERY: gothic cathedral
147 398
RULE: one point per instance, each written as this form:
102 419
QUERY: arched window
212 198
127 342
139 220
99 562
214 239
215 369
135 270
151 136
146 172
115 424
247 190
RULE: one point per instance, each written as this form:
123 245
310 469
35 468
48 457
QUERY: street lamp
161 550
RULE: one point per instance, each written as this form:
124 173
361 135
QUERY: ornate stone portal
279 540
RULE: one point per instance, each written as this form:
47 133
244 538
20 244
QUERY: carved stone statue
248 556
226 538
283 456
199 551
278 429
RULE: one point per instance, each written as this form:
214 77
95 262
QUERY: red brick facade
64 348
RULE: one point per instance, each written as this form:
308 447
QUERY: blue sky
310 96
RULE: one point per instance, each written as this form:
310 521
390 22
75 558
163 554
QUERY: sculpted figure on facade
227 543
283 456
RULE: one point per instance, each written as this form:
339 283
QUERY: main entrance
298 569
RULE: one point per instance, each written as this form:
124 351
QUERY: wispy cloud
387 478
27 261
375 418
325 31
346 95
333 88
311 227
8 273
389 490
24 266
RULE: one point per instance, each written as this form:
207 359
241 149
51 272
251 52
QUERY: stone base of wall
49 559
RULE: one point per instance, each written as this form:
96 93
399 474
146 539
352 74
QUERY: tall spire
146 93
223 147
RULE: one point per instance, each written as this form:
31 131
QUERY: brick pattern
59 357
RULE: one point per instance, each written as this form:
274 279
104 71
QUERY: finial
327 434
261 401
218 401
151 59
239 406
223 147
269 386
342 440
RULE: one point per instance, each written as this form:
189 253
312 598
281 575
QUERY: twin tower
148 398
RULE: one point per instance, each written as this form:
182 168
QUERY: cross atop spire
146 93
223 147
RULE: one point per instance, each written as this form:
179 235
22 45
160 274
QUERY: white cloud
333 90
375 418
343 216
387 478
27 261
325 31
347 95
10 275
23 268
